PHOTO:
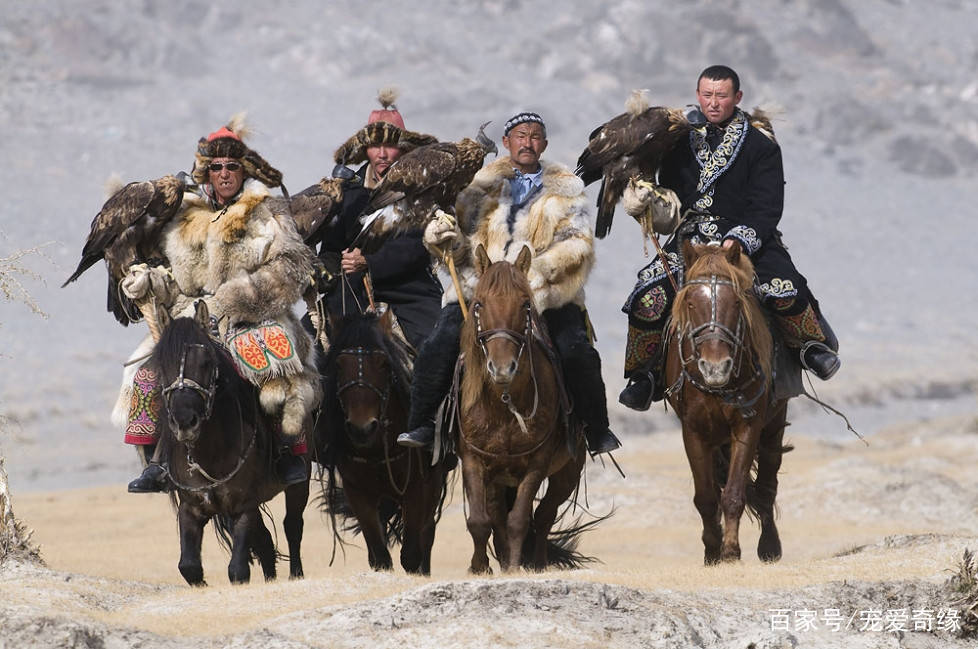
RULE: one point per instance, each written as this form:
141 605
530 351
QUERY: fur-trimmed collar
557 179
232 221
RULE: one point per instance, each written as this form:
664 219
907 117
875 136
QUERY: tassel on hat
228 142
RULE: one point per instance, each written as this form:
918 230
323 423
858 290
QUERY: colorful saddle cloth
263 351
145 406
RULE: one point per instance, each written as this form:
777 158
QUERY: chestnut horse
718 373
394 492
219 449
511 432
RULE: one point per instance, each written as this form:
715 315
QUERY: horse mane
712 260
500 282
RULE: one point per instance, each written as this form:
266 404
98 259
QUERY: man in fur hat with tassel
515 201
232 247
400 271
729 180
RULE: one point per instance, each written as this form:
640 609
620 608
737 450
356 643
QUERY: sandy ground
864 528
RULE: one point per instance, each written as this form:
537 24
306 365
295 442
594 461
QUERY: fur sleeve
278 280
558 273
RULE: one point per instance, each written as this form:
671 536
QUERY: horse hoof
480 571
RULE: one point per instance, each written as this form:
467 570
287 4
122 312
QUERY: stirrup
831 360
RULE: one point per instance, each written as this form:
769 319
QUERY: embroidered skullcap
522 118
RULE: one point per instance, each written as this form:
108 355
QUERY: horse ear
202 314
523 259
482 261
733 252
689 254
163 317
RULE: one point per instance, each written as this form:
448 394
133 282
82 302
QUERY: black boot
820 360
421 437
433 373
291 469
640 391
602 441
151 480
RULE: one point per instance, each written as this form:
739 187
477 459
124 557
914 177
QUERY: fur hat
384 126
228 142
523 118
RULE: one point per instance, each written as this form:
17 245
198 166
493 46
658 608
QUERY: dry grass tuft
963 586
15 539
12 270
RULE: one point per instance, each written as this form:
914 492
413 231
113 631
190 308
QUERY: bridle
716 330
483 336
184 383
360 353
207 393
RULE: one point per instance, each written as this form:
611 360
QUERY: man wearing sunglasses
400 271
239 251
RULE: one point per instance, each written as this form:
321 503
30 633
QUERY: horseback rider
239 251
729 181
400 271
512 202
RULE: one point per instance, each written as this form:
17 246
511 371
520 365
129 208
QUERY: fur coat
553 223
251 266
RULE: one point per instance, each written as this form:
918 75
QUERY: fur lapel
231 223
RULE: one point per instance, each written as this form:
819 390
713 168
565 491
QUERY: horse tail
332 502
222 530
756 495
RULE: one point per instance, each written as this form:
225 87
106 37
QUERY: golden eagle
316 206
126 231
418 183
632 144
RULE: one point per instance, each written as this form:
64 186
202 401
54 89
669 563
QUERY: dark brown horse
718 373
218 448
395 493
512 434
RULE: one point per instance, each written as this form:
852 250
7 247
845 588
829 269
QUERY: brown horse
219 449
394 492
512 433
718 369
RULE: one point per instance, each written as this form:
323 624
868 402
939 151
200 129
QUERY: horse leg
264 548
244 528
296 497
365 508
191 534
518 521
477 522
706 494
419 504
560 486
499 501
743 446
769 454
433 490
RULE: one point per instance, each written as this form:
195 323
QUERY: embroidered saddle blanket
263 351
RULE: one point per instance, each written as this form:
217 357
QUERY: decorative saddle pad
145 406
263 351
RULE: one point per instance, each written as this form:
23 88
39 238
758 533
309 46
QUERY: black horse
219 448
394 492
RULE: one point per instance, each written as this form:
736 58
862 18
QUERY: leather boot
421 437
820 360
151 480
640 391
603 441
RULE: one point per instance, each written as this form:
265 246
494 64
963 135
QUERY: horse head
503 313
188 366
365 374
716 314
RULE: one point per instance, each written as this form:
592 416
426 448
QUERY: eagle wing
316 206
415 173
625 146
125 230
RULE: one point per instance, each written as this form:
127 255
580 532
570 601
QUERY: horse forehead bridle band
518 339
715 330
184 383
360 381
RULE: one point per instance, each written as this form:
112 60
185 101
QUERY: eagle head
488 146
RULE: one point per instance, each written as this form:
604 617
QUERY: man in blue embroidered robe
729 180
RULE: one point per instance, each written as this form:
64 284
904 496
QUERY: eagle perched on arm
316 206
630 145
418 183
126 231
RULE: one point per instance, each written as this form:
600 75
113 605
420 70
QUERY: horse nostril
704 367
512 368
491 368
727 365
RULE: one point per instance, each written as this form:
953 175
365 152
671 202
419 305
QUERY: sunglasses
220 166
